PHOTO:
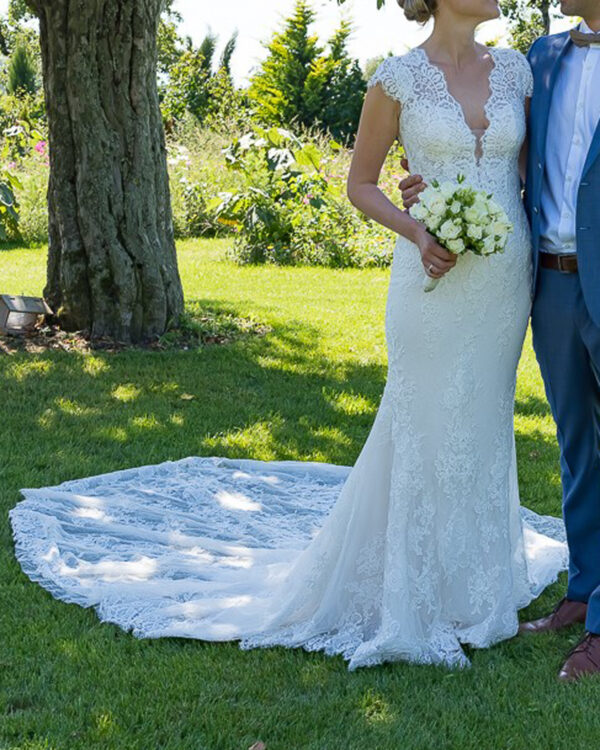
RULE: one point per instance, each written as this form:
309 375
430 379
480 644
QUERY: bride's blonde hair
418 10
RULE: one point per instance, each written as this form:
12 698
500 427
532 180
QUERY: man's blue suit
566 337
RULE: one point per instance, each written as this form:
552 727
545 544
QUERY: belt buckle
561 268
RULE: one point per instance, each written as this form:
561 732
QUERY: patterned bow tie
584 40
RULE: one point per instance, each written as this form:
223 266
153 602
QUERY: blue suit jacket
545 57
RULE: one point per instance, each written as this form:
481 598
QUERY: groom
562 198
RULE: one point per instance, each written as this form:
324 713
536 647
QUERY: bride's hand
436 260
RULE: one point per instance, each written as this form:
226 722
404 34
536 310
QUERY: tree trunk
545 9
112 266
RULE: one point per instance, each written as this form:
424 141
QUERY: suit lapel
594 151
556 51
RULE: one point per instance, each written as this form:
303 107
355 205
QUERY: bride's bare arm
377 131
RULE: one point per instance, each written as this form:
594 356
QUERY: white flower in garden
455 207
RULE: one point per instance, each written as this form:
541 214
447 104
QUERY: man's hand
411 186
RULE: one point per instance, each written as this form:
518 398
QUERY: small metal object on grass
19 315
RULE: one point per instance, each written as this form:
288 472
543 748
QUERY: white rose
455 207
428 194
475 232
456 246
437 205
419 212
476 214
499 228
489 245
494 209
433 222
447 189
450 230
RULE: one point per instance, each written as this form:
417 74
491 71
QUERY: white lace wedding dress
420 546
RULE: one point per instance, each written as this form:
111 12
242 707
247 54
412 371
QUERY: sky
376 32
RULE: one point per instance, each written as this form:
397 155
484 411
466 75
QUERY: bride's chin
492 11
492 16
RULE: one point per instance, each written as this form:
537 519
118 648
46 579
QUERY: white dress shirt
573 119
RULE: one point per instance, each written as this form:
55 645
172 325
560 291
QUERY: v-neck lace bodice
436 136
478 137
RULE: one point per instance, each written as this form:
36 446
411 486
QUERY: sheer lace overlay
418 548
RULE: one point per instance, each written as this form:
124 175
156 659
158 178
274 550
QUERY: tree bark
112 265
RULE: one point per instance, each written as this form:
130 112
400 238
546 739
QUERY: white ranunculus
433 222
476 214
482 227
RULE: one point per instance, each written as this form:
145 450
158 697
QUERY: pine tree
335 88
300 83
277 90
21 72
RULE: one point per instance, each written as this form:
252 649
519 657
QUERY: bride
422 545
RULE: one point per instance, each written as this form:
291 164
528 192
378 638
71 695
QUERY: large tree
112 266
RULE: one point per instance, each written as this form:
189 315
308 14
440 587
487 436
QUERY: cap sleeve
523 72
387 74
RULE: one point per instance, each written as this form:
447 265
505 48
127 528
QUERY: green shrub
290 209
23 184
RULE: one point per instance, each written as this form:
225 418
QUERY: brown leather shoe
566 612
583 659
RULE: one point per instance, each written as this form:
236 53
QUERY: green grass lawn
308 389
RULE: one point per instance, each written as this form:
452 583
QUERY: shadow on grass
277 396
532 406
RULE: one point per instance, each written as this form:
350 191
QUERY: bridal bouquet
462 220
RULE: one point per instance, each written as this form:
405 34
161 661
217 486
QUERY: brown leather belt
565 263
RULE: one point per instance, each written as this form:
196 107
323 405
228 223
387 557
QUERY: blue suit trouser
567 345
